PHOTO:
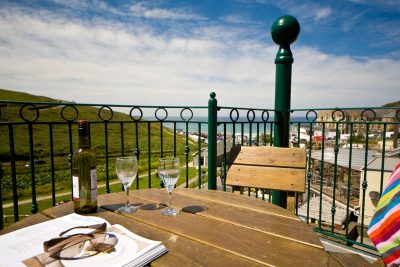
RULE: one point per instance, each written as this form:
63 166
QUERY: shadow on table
152 206
194 209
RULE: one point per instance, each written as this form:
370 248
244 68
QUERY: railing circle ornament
101 116
398 115
190 117
311 119
65 109
253 114
263 114
33 107
237 115
133 117
364 112
165 116
341 113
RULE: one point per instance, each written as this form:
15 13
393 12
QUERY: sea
193 125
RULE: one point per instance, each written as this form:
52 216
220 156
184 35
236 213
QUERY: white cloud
344 81
141 10
305 10
323 12
109 62
238 19
310 11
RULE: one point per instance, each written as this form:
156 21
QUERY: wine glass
168 170
126 169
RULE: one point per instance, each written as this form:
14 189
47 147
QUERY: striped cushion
384 229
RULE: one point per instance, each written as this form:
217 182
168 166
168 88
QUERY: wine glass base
129 209
170 212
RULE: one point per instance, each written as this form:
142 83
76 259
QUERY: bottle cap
83 128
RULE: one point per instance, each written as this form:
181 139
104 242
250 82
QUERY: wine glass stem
127 197
170 199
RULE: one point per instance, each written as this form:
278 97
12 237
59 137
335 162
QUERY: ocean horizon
193 125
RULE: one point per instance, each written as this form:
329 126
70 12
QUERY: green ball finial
285 30
212 95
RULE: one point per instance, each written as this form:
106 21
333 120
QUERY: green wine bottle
84 178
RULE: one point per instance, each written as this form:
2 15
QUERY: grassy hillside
20 96
393 104
41 133
61 132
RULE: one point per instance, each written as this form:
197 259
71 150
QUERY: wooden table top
215 229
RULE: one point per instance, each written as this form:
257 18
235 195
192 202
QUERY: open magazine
26 243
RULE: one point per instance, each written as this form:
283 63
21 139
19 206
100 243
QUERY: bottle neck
83 141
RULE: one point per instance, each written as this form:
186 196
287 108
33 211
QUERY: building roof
326 214
357 157
389 164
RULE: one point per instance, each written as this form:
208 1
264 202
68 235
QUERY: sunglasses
80 245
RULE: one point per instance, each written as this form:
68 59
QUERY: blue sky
176 52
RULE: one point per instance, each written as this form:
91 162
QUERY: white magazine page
27 242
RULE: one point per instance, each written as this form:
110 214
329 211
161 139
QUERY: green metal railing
151 137
38 139
342 122
302 119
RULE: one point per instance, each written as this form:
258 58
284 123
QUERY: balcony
350 152
346 169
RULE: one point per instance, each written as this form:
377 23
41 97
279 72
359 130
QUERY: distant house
344 167
330 116
204 155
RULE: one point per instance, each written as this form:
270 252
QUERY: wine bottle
84 178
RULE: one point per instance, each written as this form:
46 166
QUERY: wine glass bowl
169 171
126 169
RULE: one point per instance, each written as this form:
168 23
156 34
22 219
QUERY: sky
175 52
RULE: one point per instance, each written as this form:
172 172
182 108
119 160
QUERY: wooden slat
253 219
272 156
182 251
232 239
286 179
240 201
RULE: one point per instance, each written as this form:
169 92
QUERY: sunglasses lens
75 250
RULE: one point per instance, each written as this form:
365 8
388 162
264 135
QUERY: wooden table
215 229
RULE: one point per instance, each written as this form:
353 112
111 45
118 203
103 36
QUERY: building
381 116
204 155
343 169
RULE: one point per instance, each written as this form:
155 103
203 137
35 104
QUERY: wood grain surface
268 168
214 229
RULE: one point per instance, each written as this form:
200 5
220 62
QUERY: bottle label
93 176
75 187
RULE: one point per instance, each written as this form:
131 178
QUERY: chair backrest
268 168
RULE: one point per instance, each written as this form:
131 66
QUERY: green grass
62 144
392 104
61 141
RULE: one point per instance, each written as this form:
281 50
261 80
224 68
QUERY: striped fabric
384 229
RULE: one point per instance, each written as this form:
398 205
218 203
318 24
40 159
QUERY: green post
284 31
212 142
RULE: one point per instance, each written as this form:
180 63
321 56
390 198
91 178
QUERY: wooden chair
265 167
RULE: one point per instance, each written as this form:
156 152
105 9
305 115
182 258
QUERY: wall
374 181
